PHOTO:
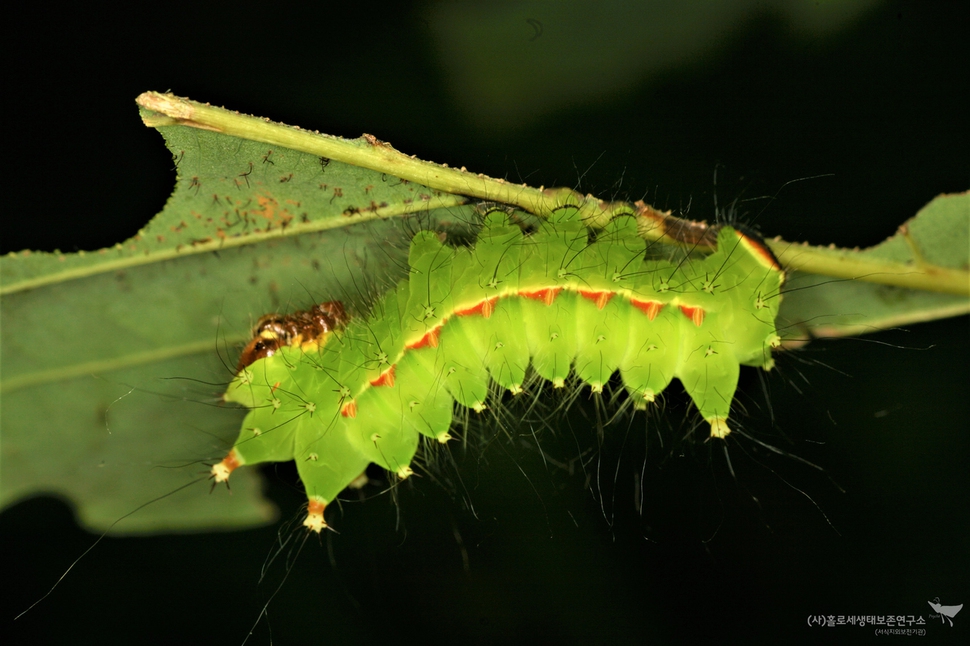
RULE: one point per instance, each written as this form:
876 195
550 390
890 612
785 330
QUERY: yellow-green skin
468 316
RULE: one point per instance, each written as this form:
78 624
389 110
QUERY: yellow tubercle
719 427
314 518
220 472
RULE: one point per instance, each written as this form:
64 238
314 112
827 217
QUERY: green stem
824 262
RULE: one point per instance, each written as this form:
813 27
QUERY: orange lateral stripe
386 378
429 340
547 295
600 298
695 314
650 308
349 409
485 308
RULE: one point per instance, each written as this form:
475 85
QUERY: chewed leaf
90 339
233 192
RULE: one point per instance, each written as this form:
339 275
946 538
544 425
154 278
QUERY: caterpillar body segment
556 300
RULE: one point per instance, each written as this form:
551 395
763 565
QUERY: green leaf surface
937 239
114 361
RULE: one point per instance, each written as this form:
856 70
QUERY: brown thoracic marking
688 232
700 234
275 331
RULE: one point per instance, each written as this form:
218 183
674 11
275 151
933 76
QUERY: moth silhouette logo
946 613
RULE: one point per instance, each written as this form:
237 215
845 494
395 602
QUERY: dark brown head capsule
275 331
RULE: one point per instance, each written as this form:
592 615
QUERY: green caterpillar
558 300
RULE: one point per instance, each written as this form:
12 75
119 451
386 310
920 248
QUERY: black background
881 105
